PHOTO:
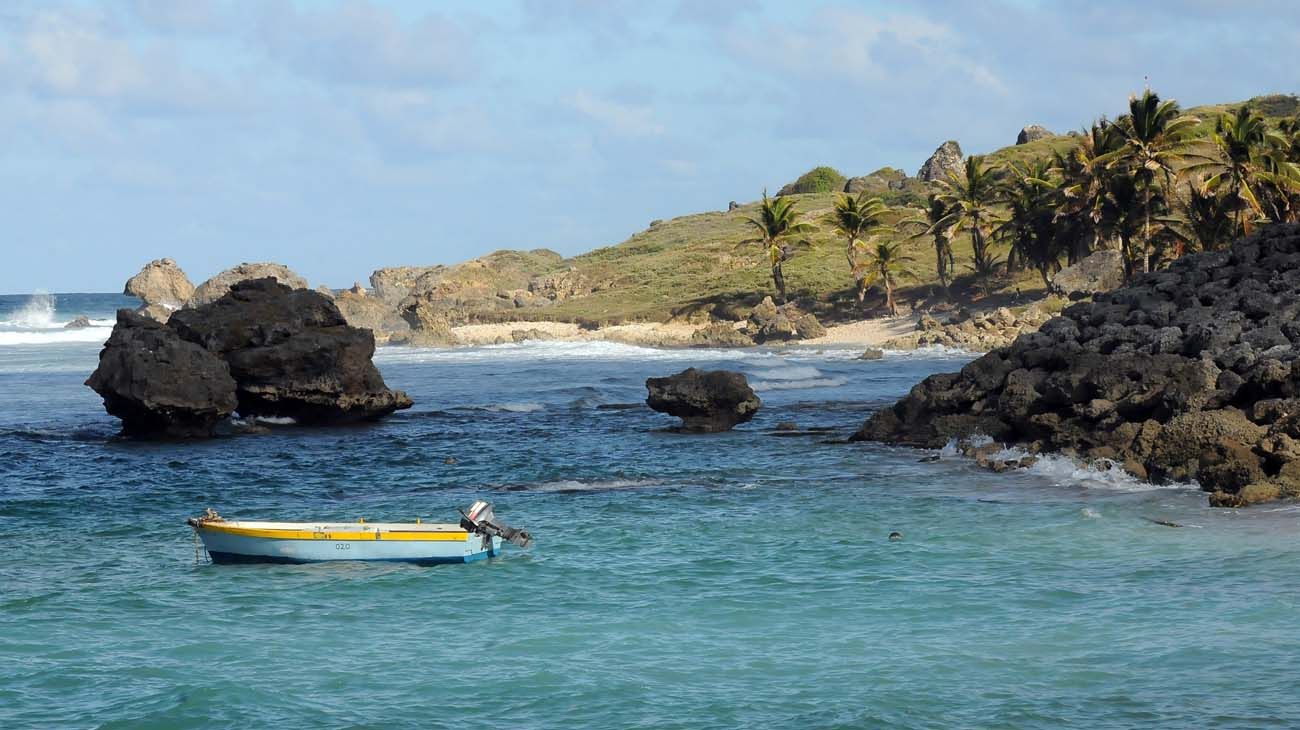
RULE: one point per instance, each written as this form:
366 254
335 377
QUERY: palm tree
1031 226
886 263
970 198
856 219
1241 143
936 224
1155 139
1280 181
1085 188
1205 222
779 233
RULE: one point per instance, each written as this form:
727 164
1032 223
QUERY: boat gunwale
421 532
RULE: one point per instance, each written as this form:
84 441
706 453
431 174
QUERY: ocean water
679 581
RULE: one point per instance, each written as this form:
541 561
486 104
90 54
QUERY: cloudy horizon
339 137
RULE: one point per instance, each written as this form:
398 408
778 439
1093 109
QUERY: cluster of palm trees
1146 184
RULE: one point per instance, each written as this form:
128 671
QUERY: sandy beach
866 333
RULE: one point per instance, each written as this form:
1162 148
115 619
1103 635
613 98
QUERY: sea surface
734 580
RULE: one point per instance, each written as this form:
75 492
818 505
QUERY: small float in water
478 535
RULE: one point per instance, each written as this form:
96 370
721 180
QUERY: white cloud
359 43
628 120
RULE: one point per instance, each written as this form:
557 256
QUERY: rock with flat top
707 401
216 287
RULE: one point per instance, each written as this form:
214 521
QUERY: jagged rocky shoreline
1189 373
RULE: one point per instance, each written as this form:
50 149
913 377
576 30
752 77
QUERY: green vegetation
1152 184
857 218
817 180
885 263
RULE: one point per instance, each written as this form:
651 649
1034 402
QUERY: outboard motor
479 518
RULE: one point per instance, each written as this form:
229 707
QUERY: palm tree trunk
778 278
889 297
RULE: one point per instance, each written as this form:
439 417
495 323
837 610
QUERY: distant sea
728 581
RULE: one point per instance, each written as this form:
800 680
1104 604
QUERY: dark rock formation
733 205
1032 132
163 288
770 323
1192 372
946 159
872 353
720 334
159 384
1100 271
706 400
216 287
291 353
79 323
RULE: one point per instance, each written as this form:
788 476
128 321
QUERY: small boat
478 535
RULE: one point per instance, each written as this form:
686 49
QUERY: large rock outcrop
263 349
216 287
771 323
1192 372
488 288
292 354
362 310
877 183
163 288
1099 271
159 384
392 284
1032 132
707 401
946 159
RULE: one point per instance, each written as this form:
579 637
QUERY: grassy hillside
697 265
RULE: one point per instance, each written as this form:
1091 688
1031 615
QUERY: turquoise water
731 580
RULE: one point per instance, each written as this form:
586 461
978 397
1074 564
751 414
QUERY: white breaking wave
276 420
574 485
540 350
763 385
54 337
934 352
1063 471
515 407
37 313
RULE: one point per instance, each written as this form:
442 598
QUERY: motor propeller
479 518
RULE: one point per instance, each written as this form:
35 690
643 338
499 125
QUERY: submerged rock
706 400
79 323
163 288
1189 373
771 323
159 384
216 287
292 354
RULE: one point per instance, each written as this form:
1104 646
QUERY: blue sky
337 137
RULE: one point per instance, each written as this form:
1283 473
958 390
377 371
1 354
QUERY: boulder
872 353
877 183
162 286
733 205
79 323
291 353
216 287
706 400
160 385
771 323
1099 271
1165 377
720 334
946 159
1031 132
429 326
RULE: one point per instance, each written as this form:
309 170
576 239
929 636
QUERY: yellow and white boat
478 535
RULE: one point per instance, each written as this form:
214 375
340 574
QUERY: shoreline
864 333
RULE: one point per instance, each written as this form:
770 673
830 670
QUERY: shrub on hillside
817 180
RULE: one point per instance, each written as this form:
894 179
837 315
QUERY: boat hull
226 545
